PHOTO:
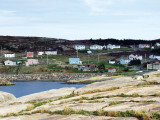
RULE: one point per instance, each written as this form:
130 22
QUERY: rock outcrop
4 97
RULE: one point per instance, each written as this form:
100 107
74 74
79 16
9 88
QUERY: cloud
99 7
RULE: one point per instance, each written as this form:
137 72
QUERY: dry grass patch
101 90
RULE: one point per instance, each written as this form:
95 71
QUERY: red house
30 54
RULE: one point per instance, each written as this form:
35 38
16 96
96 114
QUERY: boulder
4 97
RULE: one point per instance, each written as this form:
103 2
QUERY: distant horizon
77 39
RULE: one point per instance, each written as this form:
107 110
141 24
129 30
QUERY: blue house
75 61
125 61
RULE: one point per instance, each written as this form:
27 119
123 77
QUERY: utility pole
77 53
47 59
88 58
98 58
1 50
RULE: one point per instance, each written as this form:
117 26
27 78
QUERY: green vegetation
130 113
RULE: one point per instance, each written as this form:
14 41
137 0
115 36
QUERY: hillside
21 44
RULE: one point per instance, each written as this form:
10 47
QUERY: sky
81 19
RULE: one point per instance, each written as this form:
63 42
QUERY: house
155 65
158 44
32 62
112 70
79 47
75 61
9 55
144 46
10 62
51 52
89 52
30 54
88 67
96 47
125 61
40 53
112 61
154 57
135 57
110 46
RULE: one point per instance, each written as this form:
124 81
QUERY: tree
135 62
101 67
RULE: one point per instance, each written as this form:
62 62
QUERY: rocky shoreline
6 83
122 98
7 79
54 76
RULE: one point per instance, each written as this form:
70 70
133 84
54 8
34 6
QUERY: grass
101 90
116 102
130 113
100 112
67 96
156 95
149 83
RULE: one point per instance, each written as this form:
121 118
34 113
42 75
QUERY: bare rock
46 95
4 97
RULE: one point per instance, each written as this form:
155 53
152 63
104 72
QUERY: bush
135 62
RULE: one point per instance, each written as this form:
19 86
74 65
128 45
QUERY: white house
96 47
144 46
112 61
51 52
157 44
110 46
154 57
10 63
79 47
9 55
89 52
40 53
135 57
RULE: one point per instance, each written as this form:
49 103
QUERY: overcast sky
81 19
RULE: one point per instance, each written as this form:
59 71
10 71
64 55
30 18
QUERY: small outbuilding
112 70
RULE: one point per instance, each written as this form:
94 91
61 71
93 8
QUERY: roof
12 60
155 61
9 53
79 45
74 58
111 68
96 45
50 50
144 44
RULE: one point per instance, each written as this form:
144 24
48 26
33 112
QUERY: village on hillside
88 56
